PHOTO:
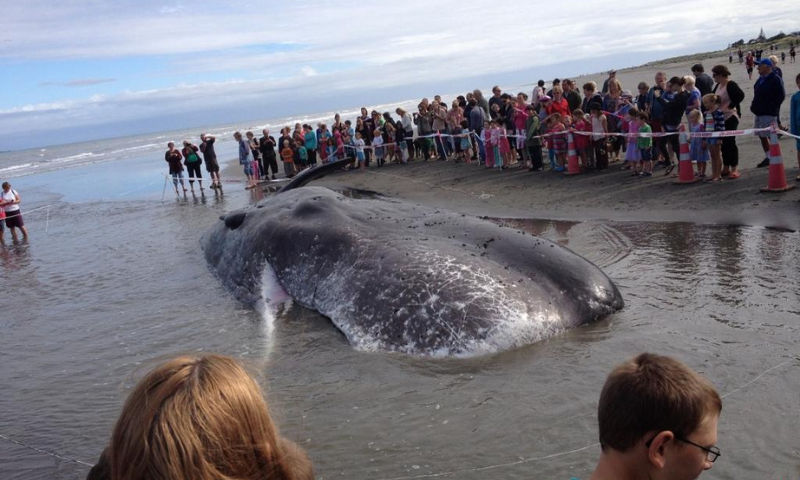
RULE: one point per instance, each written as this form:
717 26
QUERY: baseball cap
765 61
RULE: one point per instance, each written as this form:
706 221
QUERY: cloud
309 71
83 82
216 57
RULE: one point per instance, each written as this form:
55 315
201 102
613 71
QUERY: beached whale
395 276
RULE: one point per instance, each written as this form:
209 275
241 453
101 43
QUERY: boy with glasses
657 420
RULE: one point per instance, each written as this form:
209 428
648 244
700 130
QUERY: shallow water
111 287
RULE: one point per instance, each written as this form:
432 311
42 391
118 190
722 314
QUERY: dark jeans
535 153
270 163
193 171
312 157
730 151
600 154
672 140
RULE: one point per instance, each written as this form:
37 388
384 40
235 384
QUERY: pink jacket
520 117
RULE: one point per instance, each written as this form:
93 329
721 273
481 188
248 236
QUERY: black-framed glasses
712 453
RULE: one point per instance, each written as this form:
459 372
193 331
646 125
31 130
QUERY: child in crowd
466 144
599 129
377 144
339 143
505 147
794 111
632 154
582 142
645 145
495 141
715 122
287 155
487 144
698 146
302 154
558 140
359 144
402 146
389 138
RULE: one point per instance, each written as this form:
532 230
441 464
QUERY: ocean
113 279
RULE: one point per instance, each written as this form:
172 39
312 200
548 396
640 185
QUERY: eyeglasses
712 453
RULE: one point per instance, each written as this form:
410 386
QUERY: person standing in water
173 158
10 200
192 161
210 157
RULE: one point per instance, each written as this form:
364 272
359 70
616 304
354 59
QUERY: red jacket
560 106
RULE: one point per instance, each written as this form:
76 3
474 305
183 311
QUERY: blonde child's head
711 101
695 116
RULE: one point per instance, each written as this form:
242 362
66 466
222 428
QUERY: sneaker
763 163
645 175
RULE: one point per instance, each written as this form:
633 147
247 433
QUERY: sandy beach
612 195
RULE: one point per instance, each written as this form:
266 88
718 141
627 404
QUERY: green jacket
532 130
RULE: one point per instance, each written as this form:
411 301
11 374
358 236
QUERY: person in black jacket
674 107
266 144
732 111
768 94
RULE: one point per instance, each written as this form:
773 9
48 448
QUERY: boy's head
298 143
358 135
540 83
643 116
286 144
464 124
666 411
377 132
495 107
348 123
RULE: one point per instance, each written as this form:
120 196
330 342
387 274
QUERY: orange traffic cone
776 181
572 156
685 169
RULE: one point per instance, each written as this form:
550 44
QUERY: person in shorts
768 95
10 200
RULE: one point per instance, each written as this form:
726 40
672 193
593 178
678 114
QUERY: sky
76 70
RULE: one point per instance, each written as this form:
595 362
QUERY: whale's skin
395 276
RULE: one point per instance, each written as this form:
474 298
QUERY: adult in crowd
731 97
794 119
481 102
9 202
556 83
768 95
199 418
612 102
571 95
612 75
210 158
590 96
674 101
657 420
423 121
173 158
407 123
476 119
245 159
703 82
267 146
558 104
497 99
310 142
656 113
192 161
533 140
439 125
454 118
255 150
538 91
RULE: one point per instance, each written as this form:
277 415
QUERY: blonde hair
615 85
689 80
695 114
774 59
201 418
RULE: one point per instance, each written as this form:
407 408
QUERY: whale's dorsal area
394 276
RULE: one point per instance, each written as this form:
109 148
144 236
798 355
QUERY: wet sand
612 195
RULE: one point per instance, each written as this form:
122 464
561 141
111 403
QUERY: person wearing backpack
192 161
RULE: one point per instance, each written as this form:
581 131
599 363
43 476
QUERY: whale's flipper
314 173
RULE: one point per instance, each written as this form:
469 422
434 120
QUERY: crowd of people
608 124
204 418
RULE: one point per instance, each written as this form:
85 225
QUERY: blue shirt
794 118
244 152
